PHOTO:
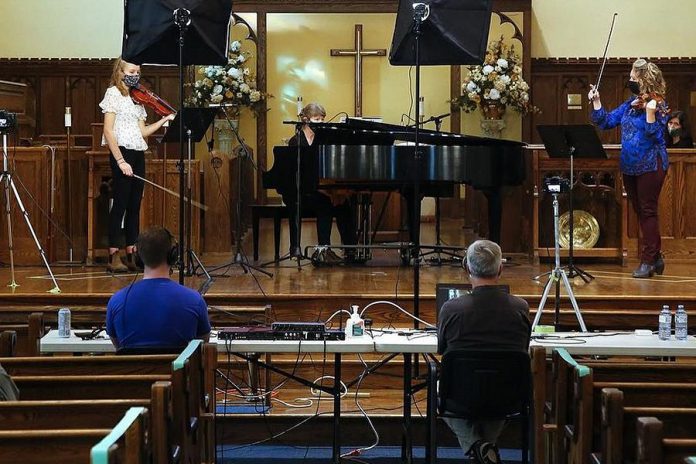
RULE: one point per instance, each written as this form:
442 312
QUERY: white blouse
128 117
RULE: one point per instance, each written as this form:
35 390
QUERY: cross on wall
358 52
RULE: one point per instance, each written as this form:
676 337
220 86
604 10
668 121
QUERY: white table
625 344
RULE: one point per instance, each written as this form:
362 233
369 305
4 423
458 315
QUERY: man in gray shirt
488 318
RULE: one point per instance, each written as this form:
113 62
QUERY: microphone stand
239 256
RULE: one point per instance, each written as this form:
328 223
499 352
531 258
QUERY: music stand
436 32
177 32
570 141
196 122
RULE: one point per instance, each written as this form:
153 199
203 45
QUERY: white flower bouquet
497 83
233 84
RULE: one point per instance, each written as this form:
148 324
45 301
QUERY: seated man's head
484 261
156 247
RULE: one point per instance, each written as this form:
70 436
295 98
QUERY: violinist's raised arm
644 161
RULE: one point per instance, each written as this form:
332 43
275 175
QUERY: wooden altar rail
619 229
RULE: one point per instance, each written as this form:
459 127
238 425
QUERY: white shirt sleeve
112 101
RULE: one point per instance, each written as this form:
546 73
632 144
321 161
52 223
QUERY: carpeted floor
320 455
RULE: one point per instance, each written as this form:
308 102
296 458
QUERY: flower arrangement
232 84
496 84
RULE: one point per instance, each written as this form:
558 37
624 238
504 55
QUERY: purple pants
644 192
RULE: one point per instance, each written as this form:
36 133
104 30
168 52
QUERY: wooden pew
618 427
86 365
552 392
28 335
48 446
578 406
656 448
127 442
8 343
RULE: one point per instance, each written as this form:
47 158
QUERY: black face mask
634 87
131 80
675 132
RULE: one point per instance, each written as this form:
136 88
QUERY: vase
224 132
492 109
492 123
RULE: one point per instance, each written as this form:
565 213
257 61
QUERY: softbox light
151 34
454 32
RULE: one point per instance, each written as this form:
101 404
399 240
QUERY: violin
146 97
643 99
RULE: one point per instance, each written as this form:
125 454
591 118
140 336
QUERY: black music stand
436 32
571 141
196 122
177 32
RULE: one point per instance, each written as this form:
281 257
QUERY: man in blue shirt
156 312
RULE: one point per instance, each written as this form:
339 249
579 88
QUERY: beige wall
579 28
61 28
561 28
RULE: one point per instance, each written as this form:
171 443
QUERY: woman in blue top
644 159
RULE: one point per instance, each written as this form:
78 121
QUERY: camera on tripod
8 122
556 184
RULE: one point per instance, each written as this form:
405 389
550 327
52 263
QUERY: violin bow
171 192
606 49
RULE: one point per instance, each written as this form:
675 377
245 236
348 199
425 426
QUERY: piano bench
277 213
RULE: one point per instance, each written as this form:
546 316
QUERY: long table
393 343
406 341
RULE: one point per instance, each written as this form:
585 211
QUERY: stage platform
311 293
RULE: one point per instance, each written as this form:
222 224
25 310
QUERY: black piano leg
495 213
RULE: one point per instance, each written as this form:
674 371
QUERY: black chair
481 385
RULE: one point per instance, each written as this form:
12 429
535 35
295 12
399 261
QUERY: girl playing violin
644 161
124 133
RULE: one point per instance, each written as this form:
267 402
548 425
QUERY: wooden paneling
619 229
31 180
553 79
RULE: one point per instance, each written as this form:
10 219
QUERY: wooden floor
381 278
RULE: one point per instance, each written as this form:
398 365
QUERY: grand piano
365 155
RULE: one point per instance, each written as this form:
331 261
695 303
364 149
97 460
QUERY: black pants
319 204
127 193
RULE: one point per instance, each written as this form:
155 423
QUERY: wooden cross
358 52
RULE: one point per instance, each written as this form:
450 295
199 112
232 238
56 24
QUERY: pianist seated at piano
324 204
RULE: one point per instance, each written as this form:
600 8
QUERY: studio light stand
201 30
557 276
8 181
444 32
240 259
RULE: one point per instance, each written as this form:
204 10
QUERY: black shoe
644 271
331 258
485 452
660 264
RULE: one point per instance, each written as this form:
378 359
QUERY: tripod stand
6 177
570 141
240 258
555 277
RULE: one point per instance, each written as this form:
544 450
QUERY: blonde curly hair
649 77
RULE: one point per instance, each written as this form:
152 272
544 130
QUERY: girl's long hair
117 76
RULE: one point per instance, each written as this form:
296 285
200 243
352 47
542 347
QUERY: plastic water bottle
665 325
64 322
681 323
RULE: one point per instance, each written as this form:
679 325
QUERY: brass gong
585 229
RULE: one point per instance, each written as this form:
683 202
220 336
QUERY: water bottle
681 323
64 322
665 326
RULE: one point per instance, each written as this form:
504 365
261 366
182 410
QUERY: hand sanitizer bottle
355 326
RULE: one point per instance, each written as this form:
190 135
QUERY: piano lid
362 132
